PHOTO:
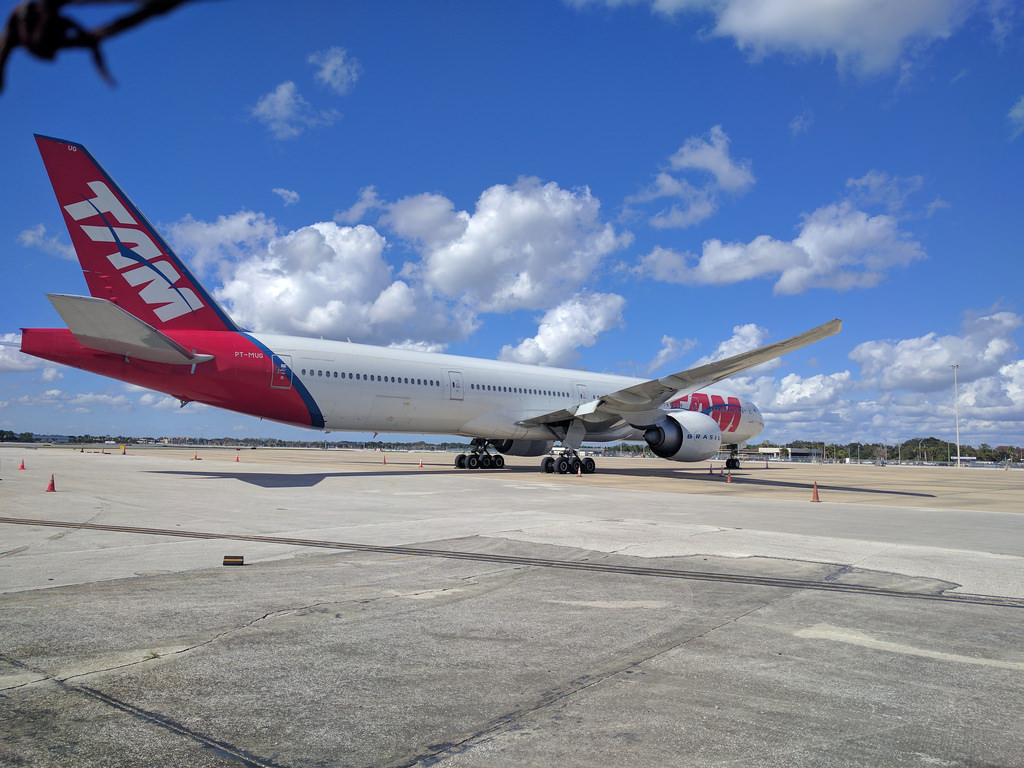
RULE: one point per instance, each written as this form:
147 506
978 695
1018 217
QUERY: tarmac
392 614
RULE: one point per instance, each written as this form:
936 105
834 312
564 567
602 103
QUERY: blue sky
632 187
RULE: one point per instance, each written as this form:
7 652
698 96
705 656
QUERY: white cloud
983 348
428 218
159 402
879 188
716 171
801 123
337 70
418 346
839 248
61 401
368 201
905 389
799 393
287 114
525 246
1016 118
576 322
36 238
289 196
865 36
671 349
332 281
868 36
220 242
11 356
744 338
712 156
51 375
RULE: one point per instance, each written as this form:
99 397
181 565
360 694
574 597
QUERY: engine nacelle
522 447
685 436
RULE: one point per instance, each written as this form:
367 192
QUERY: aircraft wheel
547 465
575 465
472 461
589 466
460 461
562 466
499 462
485 461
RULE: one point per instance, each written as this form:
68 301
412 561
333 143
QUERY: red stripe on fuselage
239 377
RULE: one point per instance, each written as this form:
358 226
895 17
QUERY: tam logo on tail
125 260
136 254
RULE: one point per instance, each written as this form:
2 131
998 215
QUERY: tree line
923 449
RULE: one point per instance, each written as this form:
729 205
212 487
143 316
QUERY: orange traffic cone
728 478
385 458
579 470
236 458
711 469
50 488
814 496
22 464
421 463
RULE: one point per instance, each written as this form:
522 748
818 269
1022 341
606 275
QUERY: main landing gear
568 463
733 462
479 458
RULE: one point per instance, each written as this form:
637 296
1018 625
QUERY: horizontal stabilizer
102 325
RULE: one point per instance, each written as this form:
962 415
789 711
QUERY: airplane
149 322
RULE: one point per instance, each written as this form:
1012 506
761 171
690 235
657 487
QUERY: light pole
956 411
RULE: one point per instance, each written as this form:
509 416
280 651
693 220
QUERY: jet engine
522 447
684 436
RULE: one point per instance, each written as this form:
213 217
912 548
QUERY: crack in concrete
222 748
508 721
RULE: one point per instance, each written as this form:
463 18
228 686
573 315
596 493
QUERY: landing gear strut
480 457
568 463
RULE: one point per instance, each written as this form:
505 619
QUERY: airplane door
584 396
281 375
455 385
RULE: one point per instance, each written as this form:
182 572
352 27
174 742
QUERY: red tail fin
124 259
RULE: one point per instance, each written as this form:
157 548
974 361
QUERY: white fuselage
364 388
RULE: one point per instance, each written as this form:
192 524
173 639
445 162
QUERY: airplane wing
640 403
102 325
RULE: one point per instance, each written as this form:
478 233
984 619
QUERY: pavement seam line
153 718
